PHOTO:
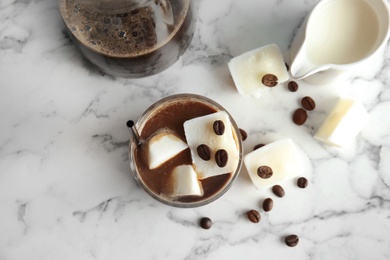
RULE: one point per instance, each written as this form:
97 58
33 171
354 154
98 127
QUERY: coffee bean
264 172
300 116
292 86
253 216
269 80
257 146
302 182
205 223
268 204
278 191
219 127
292 240
244 135
221 158
308 103
204 152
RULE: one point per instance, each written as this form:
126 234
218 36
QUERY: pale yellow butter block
283 157
343 123
248 69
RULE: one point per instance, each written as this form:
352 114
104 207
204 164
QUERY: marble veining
66 189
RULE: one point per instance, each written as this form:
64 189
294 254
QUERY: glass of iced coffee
186 150
130 38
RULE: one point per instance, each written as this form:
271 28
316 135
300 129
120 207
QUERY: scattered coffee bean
204 152
308 103
268 204
257 146
244 135
219 127
269 80
292 86
300 116
291 240
278 191
205 223
264 172
221 158
302 182
253 216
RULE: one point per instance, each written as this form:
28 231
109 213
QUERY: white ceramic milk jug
338 35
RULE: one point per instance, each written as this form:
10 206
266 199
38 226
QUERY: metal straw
134 132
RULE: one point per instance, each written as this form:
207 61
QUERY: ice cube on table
284 159
163 146
344 122
200 131
248 69
183 181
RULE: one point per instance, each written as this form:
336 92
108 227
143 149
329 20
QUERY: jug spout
301 67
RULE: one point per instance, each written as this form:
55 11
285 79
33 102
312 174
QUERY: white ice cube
248 69
163 146
282 156
183 181
343 123
200 131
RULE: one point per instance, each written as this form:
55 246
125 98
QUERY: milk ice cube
248 69
200 131
282 156
163 146
183 181
344 122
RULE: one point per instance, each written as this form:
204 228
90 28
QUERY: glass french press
130 38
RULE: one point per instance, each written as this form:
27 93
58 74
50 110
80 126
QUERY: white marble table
66 191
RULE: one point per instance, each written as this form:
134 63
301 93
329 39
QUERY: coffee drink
169 117
131 42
